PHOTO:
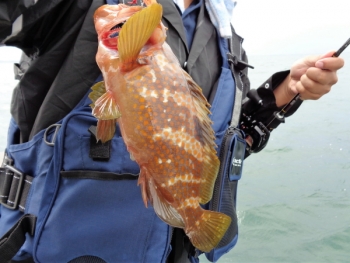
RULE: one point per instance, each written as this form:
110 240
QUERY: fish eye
115 34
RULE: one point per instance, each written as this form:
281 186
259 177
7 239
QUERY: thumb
319 63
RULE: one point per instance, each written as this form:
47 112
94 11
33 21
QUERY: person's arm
311 77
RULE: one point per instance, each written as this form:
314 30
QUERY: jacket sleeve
265 113
260 114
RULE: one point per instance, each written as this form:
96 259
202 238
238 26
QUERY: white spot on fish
154 94
144 92
160 161
167 129
154 78
166 94
168 161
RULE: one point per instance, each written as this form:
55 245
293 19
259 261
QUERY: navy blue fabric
77 211
31 158
189 19
79 217
222 105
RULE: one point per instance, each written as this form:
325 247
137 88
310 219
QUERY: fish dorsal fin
211 162
136 32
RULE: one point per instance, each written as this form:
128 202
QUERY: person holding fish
170 82
150 72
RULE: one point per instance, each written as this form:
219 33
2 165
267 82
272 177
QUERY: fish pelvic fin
211 162
206 233
136 32
142 182
105 130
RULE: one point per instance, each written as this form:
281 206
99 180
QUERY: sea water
294 196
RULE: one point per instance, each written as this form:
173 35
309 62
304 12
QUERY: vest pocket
100 214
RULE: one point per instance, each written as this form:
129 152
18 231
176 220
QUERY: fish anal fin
211 162
142 182
106 107
105 130
135 33
162 204
206 233
97 91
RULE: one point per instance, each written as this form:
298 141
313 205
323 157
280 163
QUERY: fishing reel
256 132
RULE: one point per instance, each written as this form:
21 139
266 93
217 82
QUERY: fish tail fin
207 232
136 32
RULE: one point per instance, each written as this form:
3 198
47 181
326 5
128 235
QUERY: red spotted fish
163 118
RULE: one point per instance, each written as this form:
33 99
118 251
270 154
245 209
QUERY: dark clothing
63 67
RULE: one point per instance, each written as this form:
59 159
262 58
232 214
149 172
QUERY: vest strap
13 240
14 186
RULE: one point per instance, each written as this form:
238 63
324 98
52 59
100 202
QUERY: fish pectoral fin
106 111
97 91
106 107
162 206
206 233
211 162
136 31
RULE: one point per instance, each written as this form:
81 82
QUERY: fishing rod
288 106
259 132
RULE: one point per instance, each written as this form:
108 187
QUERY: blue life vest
83 198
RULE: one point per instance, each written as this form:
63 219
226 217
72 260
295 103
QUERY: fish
163 117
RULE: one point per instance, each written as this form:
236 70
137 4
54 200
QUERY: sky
292 27
286 27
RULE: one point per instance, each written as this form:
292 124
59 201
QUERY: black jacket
60 42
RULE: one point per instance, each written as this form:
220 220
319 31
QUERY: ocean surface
294 196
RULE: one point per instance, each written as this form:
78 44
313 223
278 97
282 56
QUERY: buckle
237 63
16 176
52 142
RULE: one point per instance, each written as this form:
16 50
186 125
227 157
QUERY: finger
328 54
330 63
313 87
306 94
324 77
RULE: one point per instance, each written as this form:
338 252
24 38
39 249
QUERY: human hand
313 77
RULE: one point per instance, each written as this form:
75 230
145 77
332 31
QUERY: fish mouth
118 26
110 37
114 31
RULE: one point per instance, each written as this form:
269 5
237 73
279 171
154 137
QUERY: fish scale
163 118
